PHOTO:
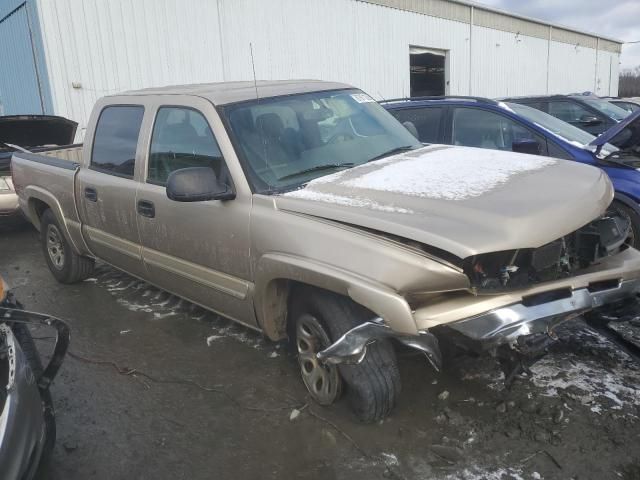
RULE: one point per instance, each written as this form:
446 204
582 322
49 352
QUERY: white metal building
59 56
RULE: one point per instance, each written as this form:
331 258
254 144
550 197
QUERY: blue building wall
24 85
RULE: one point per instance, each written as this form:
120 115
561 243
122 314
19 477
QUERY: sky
619 19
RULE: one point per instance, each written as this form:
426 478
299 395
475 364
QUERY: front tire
373 386
65 264
633 218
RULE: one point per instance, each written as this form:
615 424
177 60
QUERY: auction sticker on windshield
362 98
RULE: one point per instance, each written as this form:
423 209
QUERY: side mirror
197 184
590 120
530 147
411 127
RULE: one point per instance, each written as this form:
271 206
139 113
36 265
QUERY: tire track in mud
139 296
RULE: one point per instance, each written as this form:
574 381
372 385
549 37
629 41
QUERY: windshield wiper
393 151
317 168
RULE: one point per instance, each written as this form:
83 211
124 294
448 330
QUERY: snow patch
453 174
476 473
309 194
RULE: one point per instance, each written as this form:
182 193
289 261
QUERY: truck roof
231 92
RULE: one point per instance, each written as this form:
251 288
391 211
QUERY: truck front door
198 250
106 188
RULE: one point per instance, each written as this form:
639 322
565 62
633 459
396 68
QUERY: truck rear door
106 187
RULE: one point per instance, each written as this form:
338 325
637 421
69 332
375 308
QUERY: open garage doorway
428 72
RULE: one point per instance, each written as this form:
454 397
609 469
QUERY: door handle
146 208
91 194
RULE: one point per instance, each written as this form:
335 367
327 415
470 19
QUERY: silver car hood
465 201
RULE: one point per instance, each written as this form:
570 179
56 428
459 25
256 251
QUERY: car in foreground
27 418
587 112
485 123
304 210
36 133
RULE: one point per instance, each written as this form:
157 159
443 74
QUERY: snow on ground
477 473
138 296
602 387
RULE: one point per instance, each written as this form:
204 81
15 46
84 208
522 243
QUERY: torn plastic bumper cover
352 346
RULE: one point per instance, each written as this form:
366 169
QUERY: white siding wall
508 64
608 73
109 46
571 68
115 45
358 43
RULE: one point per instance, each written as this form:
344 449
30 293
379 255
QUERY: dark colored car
624 103
27 418
484 123
587 112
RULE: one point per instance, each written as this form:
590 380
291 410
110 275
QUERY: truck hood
465 201
625 135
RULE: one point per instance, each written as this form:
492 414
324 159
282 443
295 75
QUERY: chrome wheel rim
322 381
54 247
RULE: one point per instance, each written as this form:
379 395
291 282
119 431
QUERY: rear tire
65 265
372 386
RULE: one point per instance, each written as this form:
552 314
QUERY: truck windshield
284 142
564 130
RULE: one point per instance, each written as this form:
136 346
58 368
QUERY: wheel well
276 306
38 207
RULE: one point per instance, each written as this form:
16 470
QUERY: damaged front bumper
533 317
541 313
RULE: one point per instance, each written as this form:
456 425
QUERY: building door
428 72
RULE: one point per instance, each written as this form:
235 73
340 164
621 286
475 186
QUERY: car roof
457 99
231 92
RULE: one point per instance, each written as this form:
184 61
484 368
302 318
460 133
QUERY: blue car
484 123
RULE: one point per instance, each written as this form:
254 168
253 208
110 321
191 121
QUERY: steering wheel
341 137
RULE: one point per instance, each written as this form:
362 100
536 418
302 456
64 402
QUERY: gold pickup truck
305 210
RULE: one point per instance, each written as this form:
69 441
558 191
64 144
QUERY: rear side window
473 127
182 138
426 120
115 140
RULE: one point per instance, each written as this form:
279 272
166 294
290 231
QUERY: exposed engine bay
567 256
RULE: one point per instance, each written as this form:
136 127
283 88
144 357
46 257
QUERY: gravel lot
160 389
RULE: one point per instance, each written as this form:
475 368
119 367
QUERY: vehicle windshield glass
609 109
562 129
287 141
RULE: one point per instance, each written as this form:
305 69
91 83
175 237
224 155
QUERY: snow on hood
456 173
462 200
449 175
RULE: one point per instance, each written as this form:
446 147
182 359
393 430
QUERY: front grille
561 258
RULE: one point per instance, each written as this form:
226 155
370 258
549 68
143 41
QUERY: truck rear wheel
65 265
372 387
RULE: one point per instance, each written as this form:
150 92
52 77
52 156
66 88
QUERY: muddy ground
160 389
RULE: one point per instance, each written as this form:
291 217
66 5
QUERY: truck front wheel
372 386
65 264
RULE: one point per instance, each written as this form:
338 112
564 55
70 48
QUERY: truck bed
47 177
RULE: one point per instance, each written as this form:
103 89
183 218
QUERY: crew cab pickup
305 210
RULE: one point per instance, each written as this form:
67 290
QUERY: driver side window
182 138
